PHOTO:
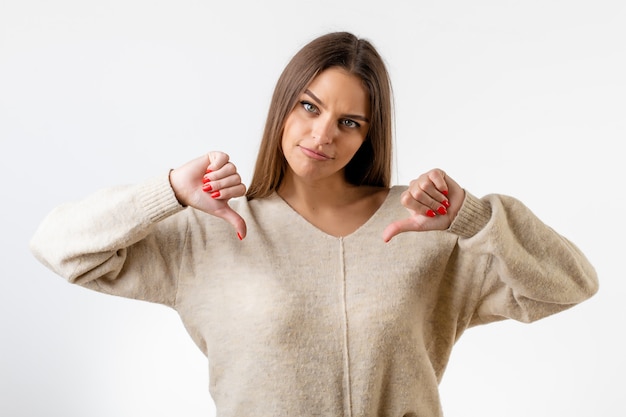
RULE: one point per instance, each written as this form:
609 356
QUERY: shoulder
394 195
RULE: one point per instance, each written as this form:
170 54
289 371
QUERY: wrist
175 189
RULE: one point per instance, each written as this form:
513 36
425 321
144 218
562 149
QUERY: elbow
47 256
79 268
584 282
591 284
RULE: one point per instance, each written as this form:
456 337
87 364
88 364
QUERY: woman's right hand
207 183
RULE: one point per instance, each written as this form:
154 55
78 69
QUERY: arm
130 232
111 234
532 270
529 270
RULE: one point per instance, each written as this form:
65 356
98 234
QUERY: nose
323 130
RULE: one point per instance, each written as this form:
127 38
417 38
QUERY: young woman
324 291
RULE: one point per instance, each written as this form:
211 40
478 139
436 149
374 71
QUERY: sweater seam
346 340
482 289
180 266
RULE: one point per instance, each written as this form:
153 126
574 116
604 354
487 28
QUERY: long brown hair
371 165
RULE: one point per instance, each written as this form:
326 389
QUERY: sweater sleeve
121 240
530 271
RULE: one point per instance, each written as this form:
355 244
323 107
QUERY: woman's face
327 126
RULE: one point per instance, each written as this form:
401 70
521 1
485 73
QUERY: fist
432 201
207 183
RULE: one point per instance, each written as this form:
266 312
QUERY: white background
525 98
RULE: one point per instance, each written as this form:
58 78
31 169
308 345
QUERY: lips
313 154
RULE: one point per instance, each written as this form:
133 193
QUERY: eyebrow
321 103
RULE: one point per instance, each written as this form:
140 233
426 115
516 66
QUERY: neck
332 205
330 192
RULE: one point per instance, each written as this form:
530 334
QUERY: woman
336 294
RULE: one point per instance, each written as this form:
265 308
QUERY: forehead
335 86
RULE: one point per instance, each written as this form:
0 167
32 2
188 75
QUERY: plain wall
524 98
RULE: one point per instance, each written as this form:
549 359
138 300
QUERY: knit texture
295 322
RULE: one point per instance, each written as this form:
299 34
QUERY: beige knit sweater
295 322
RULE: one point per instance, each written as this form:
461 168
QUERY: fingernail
208 171
207 187
446 203
205 180
445 192
430 213
215 194
442 210
239 236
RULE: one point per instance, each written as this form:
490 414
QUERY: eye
349 123
309 107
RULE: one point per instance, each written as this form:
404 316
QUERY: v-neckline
389 198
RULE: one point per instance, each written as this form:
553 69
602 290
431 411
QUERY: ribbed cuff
472 217
157 198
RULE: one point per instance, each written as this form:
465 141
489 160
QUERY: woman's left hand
432 200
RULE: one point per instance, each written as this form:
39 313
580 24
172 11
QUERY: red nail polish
215 194
446 203
207 187
445 192
442 210
208 171
430 213
205 180
239 236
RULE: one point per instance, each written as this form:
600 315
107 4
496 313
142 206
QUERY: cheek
290 132
287 140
